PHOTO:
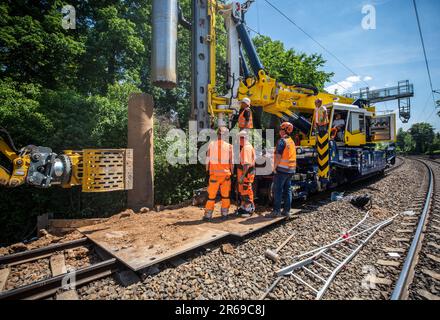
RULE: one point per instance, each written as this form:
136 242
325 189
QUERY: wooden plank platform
142 240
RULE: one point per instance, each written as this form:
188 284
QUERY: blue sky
382 57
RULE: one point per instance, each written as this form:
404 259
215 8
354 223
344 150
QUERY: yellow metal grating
107 170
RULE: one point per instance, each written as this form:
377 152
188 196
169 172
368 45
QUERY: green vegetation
419 139
68 89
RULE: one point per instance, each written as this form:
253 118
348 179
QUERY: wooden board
4 274
67 295
142 240
57 264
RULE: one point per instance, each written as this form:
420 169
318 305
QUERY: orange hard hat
287 126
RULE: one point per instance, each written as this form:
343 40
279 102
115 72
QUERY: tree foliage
419 139
68 89
290 67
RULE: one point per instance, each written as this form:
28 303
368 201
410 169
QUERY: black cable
336 83
313 39
424 52
5 134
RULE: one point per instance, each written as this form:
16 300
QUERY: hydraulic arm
273 96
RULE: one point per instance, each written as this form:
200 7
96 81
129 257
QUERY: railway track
60 282
63 283
420 275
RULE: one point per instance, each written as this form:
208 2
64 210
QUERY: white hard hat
243 134
222 130
246 101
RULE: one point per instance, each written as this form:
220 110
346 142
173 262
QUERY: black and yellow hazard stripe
323 153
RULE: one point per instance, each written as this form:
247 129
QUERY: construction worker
284 168
245 120
338 127
246 175
321 116
220 166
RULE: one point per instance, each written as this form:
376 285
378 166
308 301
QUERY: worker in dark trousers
284 168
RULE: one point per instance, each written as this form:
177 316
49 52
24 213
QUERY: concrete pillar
140 139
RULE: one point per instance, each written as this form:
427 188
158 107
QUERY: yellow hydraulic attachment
273 96
94 170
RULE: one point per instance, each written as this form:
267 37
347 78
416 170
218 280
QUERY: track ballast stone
246 273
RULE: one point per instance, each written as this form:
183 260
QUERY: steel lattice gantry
402 93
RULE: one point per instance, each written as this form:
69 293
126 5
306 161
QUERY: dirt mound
44 240
123 215
71 236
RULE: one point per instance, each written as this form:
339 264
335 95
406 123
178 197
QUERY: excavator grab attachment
95 170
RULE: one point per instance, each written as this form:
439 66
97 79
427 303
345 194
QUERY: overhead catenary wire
335 83
424 53
314 40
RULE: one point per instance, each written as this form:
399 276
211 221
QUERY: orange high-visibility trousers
245 189
224 183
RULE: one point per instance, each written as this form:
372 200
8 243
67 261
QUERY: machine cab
354 126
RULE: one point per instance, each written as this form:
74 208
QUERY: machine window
356 123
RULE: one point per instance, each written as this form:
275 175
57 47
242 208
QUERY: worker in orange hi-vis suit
245 120
246 175
220 166
321 119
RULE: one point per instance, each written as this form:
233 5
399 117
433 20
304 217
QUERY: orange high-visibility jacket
220 155
288 158
321 116
247 156
242 120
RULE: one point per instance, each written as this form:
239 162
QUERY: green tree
423 136
34 48
113 51
435 148
400 140
290 67
68 89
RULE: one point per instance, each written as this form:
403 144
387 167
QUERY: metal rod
322 266
401 284
343 263
303 282
274 284
329 257
338 252
38 253
314 274
48 287
345 239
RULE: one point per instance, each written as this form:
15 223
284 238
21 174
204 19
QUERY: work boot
274 214
287 214
243 213
225 213
207 216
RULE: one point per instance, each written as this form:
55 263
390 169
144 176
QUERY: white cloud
345 85
353 79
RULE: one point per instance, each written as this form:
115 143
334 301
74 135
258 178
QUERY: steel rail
402 161
48 287
402 283
40 253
